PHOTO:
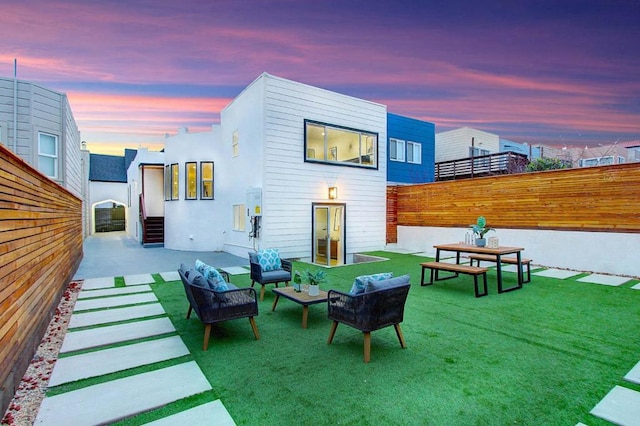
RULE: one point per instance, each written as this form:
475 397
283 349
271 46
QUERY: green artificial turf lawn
545 354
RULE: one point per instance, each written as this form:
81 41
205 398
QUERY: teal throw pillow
385 284
360 283
269 260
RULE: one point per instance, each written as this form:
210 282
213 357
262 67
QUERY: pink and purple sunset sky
547 71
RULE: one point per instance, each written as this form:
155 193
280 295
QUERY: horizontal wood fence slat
603 199
40 250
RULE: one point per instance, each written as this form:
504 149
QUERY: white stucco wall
601 252
197 225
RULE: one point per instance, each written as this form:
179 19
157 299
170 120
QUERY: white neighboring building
279 148
458 143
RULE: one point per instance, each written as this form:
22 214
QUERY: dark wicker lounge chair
261 277
368 312
213 306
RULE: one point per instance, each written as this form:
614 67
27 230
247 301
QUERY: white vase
314 290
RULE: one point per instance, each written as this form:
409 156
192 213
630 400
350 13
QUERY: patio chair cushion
196 278
269 260
276 276
373 285
360 282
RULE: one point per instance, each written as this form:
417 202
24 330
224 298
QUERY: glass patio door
328 240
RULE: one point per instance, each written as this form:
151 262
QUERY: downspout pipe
15 106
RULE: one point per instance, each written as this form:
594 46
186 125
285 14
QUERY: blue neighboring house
410 150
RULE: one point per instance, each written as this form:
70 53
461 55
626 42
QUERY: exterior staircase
153 228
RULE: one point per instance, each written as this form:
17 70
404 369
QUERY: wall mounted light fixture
333 192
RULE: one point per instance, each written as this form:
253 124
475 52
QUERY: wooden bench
509 260
458 269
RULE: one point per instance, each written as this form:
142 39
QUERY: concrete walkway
125 328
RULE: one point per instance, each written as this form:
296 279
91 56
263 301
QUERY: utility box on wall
254 201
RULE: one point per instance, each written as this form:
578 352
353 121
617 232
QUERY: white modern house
290 166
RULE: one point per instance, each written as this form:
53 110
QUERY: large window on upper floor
48 154
328 143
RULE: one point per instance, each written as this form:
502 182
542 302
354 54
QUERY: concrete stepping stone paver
633 375
93 364
210 414
93 283
85 319
116 291
611 280
170 276
116 399
560 274
620 406
636 287
235 270
94 337
111 302
138 279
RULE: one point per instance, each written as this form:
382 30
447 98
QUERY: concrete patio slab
620 406
116 399
116 291
85 339
611 280
170 276
235 270
560 274
103 282
138 279
399 250
211 414
106 316
93 364
633 375
111 302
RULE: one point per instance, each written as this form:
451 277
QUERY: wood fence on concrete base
40 250
594 199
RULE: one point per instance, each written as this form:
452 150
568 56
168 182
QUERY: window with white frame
239 217
414 153
477 152
234 144
48 154
167 182
396 149
338 145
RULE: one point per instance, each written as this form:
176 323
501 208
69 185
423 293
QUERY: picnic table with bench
492 253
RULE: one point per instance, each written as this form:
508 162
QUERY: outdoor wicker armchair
368 312
216 306
258 275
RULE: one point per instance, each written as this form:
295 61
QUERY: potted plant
480 228
315 278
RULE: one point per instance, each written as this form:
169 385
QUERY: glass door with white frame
328 234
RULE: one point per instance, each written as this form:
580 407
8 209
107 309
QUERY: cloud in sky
536 71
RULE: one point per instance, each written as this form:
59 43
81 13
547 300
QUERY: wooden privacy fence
40 250
603 198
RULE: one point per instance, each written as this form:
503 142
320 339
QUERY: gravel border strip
26 402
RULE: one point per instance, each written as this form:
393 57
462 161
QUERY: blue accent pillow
360 283
385 284
213 277
269 260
